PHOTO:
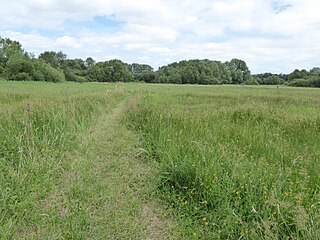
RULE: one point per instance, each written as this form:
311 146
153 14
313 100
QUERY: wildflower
204 202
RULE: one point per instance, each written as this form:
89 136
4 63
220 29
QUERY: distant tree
203 72
315 71
257 79
110 71
19 68
297 74
120 71
142 72
74 70
137 68
55 59
252 81
239 71
98 73
273 80
9 49
89 62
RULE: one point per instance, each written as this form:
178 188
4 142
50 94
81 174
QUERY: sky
271 36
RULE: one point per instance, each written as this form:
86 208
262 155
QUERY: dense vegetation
17 64
298 78
236 163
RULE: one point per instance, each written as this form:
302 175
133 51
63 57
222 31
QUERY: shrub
53 75
310 82
300 83
251 81
22 77
273 80
38 76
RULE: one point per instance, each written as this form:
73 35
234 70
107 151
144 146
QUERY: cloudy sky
271 36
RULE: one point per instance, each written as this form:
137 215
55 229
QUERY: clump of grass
234 167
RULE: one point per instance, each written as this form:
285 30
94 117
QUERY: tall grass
39 126
236 165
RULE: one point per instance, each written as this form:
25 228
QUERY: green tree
273 80
315 71
120 71
9 49
239 71
19 67
89 62
142 72
55 59
297 74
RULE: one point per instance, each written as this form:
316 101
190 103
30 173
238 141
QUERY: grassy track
118 184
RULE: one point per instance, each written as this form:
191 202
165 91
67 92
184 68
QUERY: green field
139 161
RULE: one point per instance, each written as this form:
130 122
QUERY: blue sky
271 36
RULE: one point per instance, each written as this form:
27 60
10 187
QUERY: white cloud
270 35
66 42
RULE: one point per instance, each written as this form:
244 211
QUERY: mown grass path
113 186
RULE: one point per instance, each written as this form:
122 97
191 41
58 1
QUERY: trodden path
117 184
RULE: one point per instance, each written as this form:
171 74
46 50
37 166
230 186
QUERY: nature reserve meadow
142 161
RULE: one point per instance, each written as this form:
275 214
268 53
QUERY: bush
273 80
315 81
251 81
310 82
71 75
19 68
22 77
38 76
300 83
1 70
53 75
44 72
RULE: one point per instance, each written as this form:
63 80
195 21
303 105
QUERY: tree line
19 65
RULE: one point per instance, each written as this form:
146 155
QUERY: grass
39 126
67 165
236 162
226 162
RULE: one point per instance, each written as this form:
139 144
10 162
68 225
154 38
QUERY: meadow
41 128
221 162
236 162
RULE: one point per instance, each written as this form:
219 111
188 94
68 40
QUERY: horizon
270 36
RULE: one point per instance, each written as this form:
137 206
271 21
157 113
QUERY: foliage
16 64
9 49
55 59
239 71
19 66
143 72
251 81
110 71
273 80
312 81
194 72
297 74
